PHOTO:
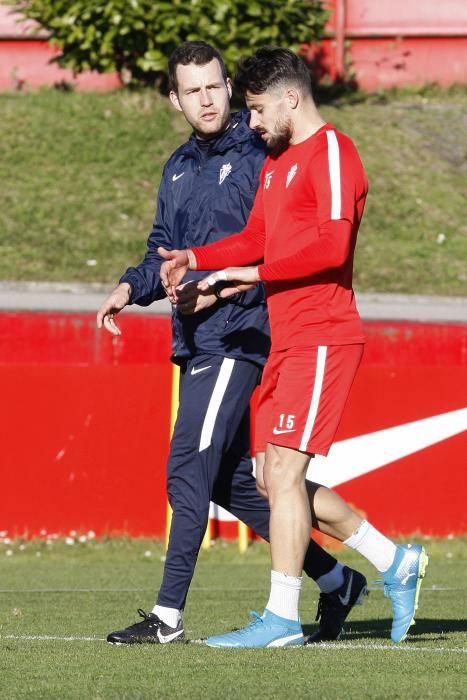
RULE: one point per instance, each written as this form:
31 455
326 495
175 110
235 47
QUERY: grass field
58 602
79 176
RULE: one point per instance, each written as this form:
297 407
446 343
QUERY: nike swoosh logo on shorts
276 431
344 599
177 177
197 370
166 638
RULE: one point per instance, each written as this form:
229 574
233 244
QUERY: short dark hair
270 67
198 52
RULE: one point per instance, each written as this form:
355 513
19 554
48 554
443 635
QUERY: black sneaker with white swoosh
151 630
334 607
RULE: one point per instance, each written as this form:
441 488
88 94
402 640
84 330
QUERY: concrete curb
76 297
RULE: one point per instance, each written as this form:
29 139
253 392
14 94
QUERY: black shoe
334 607
150 631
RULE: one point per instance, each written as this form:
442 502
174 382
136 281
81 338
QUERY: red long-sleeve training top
304 226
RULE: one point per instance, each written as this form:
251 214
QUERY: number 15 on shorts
285 424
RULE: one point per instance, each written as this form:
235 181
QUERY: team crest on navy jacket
224 171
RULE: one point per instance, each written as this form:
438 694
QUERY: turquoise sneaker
266 630
402 583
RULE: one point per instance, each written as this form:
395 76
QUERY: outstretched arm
144 278
114 303
239 279
241 249
174 269
331 249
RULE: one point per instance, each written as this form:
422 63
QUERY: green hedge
135 37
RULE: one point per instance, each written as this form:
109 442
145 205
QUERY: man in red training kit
303 225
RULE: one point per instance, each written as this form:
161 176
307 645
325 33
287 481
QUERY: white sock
171 616
284 595
372 545
332 580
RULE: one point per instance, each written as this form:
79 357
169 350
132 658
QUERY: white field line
315 647
351 646
115 590
75 590
48 638
384 647
202 589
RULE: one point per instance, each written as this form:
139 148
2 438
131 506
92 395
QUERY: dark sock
317 561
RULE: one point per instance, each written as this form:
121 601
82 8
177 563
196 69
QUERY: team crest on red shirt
267 179
291 174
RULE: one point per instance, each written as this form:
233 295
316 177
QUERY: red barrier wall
392 43
25 56
382 44
27 64
84 422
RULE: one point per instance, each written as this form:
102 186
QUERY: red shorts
302 396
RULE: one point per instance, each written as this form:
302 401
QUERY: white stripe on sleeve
317 388
334 174
215 402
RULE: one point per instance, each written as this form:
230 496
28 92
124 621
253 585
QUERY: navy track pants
210 460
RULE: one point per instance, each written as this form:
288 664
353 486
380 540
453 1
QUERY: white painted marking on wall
349 459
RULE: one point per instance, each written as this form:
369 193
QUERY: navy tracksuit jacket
206 194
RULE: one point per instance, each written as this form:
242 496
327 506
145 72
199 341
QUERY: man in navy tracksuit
207 189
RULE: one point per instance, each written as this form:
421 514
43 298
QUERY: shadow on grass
435 629
425 629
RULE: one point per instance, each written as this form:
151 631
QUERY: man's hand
111 306
240 278
174 269
190 299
